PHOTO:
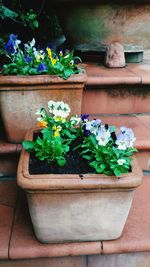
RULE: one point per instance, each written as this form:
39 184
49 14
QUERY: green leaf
86 157
33 71
32 16
39 141
28 145
117 172
100 168
61 161
67 73
7 13
35 24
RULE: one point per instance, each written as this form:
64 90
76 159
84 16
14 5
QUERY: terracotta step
109 90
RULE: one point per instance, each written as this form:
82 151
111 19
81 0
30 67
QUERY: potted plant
79 176
30 77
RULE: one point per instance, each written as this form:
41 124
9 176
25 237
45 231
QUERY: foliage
57 134
106 149
26 18
32 61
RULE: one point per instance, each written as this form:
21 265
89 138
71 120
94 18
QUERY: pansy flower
42 68
12 44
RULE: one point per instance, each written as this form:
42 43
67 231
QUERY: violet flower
10 46
28 59
42 68
84 117
125 138
86 132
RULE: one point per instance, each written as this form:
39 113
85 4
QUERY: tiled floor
21 243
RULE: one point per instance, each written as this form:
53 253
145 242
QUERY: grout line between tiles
11 231
87 260
102 248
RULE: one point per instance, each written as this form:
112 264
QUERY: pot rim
12 80
87 181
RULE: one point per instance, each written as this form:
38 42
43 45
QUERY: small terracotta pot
74 207
21 96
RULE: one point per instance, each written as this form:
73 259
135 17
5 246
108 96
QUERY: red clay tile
8 195
97 98
24 245
47 262
145 119
101 100
136 235
104 76
142 70
144 159
8 165
141 259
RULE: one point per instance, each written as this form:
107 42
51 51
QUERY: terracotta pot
90 25
21 96
76 207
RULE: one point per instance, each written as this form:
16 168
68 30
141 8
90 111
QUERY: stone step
118 91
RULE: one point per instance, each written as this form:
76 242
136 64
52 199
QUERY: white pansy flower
59 108
93 126
103 136
17 42
60 113
41 112
75 120
121 161
51 105
32 43
125 139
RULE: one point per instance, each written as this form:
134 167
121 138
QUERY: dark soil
75 164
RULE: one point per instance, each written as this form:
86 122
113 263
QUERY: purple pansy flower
125 138
86 132
10 45
28 59
84 117
42 67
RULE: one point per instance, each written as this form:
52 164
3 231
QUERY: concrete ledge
131 74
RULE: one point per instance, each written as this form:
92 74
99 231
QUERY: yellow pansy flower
57 118
63 120
53 60
49 51
54 128
56 134
59 128
42 124
39 57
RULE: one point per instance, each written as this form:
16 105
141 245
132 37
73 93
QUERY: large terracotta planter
21 96
76 207
90 25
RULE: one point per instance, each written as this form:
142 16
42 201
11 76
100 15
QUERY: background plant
26 18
